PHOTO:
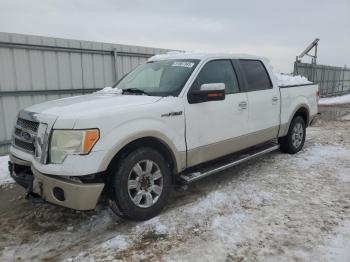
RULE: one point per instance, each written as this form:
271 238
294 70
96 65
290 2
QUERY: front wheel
141 184
294 141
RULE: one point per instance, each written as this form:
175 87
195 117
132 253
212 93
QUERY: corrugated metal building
34 69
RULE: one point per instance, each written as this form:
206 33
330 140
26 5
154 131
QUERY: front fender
170 134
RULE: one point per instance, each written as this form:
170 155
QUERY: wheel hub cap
145 183
297 135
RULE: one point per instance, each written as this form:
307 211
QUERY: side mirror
207 92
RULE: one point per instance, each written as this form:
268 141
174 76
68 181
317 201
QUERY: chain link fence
332 80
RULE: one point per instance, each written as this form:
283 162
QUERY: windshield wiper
135 90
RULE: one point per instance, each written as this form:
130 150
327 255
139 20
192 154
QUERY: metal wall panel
332 80
34 69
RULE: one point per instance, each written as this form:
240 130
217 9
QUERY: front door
216 128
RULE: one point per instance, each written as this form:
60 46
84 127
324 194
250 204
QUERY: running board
190 177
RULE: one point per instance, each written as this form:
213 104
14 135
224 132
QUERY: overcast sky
276 29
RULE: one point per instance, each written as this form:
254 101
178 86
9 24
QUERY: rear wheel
294 141
141 185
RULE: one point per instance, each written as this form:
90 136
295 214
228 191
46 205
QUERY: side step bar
191 177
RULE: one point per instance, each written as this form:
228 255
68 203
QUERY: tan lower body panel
283 130
77 196
209 152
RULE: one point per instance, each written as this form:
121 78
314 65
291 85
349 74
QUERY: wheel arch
304 112
301 110
175 158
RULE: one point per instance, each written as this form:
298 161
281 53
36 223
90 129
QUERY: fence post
315 77
334 81
343 81
115 59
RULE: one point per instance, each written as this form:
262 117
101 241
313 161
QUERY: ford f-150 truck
174 119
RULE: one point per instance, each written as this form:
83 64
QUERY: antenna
314 44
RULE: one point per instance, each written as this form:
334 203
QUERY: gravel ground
275 208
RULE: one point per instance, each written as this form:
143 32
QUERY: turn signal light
91 137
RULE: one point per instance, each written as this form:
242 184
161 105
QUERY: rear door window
256 75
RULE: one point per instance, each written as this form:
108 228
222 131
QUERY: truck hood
80 106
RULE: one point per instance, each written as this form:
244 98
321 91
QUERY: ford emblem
26 136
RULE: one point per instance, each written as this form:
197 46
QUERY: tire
141 185
295 139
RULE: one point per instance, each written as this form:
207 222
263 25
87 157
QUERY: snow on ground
4 173
346 117
338 100
277 208
338 246
288 80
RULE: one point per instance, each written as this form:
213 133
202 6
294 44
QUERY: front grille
18 131
24 134
28 125
24 145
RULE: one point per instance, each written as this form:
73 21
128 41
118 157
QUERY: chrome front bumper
61 190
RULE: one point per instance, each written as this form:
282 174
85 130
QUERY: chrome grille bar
28 125
24 134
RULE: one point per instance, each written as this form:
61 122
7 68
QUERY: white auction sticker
183 64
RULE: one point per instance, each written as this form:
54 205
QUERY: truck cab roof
204 56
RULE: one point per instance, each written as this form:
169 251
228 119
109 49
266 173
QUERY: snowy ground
276 208
337 100
4 174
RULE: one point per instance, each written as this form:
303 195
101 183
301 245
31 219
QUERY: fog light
58 193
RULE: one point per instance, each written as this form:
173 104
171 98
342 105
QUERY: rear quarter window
256 75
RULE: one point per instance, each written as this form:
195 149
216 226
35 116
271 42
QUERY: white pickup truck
176 118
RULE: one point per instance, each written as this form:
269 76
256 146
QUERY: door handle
242 105
274 99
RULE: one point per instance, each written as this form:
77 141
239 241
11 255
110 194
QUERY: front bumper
57 190
73 165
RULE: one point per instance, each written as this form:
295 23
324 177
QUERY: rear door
216 128
263 102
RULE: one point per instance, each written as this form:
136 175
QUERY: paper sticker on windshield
183 64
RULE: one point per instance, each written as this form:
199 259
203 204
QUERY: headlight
66 142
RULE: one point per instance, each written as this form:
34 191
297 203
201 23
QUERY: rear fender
285 127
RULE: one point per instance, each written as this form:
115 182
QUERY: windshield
159 78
